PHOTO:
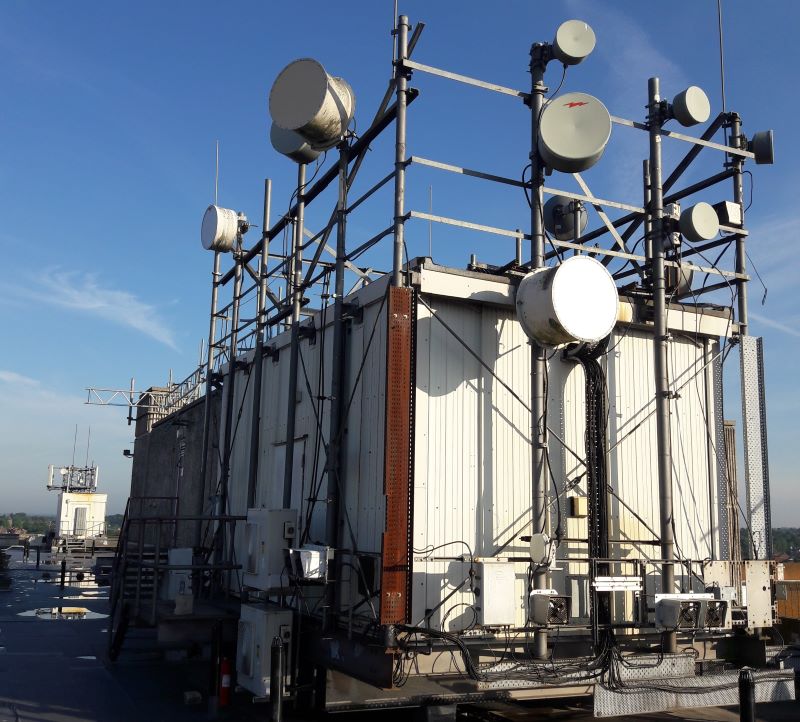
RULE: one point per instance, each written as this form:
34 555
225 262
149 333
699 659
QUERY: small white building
81 514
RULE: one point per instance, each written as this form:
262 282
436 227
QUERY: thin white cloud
81 292
12 377
777 325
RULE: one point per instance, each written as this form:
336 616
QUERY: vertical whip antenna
721 62
216 177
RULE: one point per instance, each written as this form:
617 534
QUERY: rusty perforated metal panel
396 547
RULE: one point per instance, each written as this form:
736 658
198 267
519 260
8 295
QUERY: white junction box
269 534
758 583
498 600
178 581
258 626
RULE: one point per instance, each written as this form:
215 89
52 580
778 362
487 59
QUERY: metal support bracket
754 418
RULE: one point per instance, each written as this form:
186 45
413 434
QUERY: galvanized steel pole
660 347
539 57
261 306
738 197
208 406
228 392
294 349
333 458
401 81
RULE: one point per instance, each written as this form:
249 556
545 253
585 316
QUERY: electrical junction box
268 535
758 585
311 561
178 581
498 600
258 627
578 506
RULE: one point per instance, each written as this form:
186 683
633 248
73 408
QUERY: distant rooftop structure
73 478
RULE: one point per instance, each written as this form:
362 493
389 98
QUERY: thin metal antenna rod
216 177
721 54
88 443
661 350
430 223
721 63
394 32
74 444
539 57
401 81
294 349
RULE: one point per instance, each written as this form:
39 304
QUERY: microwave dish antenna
699 222
559 217
574 42
573 132
576 300
221 228
691 107
292 145
306 99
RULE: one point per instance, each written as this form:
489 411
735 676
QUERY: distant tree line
42 523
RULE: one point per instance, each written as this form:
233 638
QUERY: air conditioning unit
681 611
548 609
268 534
715 614
258 627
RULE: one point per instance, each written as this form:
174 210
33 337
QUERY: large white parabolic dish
305 99
574 301
220 228
573 132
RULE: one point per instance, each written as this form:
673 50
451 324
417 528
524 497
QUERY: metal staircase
142 563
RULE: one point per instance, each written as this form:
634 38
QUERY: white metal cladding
472 451
362 468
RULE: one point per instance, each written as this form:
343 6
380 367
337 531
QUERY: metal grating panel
754 415
715 690
395 576
723 482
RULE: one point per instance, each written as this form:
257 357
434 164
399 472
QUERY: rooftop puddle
66 613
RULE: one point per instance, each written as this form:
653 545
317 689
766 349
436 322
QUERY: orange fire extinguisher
225 682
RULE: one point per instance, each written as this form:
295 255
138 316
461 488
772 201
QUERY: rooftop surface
56 670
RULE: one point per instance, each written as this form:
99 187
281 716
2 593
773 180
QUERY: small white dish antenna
691 107
559 217
573 132
220 228
574 42
318 106
699 222
574 301
292 145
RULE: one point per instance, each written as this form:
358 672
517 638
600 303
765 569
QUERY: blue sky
108 121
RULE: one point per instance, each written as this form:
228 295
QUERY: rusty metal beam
396 543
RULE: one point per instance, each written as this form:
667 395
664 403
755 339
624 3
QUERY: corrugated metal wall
362 476
472 452
472 448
